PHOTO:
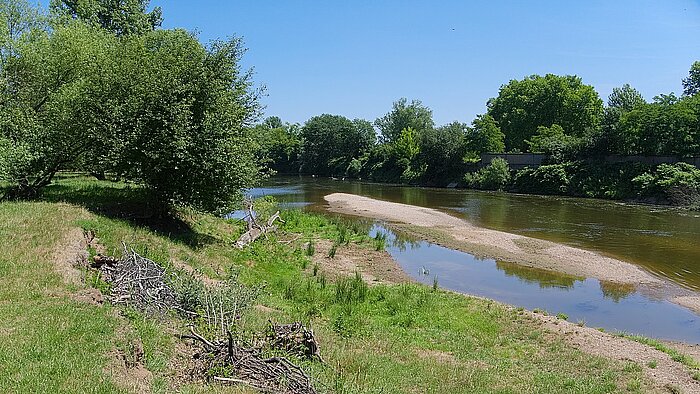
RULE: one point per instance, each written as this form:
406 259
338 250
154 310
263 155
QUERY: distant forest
559 116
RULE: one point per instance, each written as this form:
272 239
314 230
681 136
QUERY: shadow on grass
121 201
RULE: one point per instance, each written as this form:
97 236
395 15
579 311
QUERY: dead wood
256 229
294 338
247 366
137 281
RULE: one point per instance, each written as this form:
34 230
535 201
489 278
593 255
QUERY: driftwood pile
138 282
256 229
144 284
248 367
294 338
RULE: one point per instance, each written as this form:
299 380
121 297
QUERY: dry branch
138 281
255 229
247 366
294 338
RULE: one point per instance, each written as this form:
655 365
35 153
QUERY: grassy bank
374 339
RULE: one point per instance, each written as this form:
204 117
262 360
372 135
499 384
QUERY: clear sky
355 58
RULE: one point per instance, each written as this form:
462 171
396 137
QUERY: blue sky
355 58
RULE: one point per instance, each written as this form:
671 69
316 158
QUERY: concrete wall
518 161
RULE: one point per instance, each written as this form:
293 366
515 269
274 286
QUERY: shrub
677 183
549 179
495 176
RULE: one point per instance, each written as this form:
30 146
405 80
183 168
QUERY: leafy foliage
679 183
553 141
404 115
691 84
495 176
121 17
524 105
484 137
331 142
157 108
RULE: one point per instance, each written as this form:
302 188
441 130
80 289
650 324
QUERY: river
663 241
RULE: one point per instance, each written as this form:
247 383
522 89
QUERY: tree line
559 116
97 86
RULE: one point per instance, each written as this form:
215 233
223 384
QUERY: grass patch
658 345
384 338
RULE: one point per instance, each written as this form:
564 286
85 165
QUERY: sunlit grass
385 338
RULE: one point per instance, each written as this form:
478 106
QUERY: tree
181 113
159 109
552 141
691 84
522 106
484 137
402 116
668 126
121 17
280 144
442 150
620 101
330 142
625 98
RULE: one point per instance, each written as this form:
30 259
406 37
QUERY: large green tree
612 138
280 144
524 105
484 137
121 17
330 142
442 150
159 109
667 126
691 84
404 115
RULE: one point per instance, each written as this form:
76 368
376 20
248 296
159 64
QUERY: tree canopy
158 108
691 84
524 105
330 142
404 115
121 17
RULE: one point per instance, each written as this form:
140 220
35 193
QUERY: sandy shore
441 228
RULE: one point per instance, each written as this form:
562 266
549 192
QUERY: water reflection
612 306
664 241
543 278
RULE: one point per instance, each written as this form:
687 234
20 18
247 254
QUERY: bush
549 179
677 183
495 176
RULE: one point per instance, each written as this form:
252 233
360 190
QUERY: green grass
676 356
48 341
386 338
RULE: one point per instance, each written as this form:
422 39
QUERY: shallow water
663 241
595 303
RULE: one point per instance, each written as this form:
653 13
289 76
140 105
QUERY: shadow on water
610 306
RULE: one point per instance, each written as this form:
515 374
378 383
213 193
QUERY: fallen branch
294 338
255 229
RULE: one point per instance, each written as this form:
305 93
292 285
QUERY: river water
664 241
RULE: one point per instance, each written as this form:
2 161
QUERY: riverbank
393 338
443 229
